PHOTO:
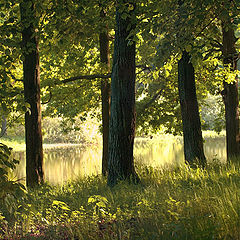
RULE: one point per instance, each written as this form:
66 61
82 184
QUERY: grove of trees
161 58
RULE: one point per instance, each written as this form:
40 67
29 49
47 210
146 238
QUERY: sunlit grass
213 134
169 203
17 143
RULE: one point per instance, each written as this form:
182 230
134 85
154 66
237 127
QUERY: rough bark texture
105 93
31 78
230 93
192 134
123 117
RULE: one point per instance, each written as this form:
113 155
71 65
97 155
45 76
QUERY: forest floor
169 203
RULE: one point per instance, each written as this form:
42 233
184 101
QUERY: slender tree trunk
230 92
4 126
192 134
122 117
31 78
105 93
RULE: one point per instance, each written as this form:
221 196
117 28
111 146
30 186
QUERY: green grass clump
169 203
15 142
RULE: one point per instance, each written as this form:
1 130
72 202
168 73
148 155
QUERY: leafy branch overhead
68 33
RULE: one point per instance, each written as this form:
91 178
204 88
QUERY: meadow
172 201
169 203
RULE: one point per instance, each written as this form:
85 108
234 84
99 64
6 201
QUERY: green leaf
188 48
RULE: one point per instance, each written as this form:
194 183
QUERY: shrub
10 190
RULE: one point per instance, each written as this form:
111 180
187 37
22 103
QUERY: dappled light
119 120
66 162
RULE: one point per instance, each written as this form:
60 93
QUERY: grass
15 142
170 203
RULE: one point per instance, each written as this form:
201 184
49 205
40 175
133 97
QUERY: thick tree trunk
105 93
192 134
122 117
230 93
31 78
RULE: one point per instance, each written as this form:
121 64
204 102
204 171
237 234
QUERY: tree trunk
122 117
230 92
192 134
4 126
105 93
31 78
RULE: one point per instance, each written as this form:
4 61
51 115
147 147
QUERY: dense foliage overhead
68 32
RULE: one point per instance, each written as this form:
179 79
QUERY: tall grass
169 203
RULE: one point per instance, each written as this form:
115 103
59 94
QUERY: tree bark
31 78
105 93
122 117
4 126
192 134
230 92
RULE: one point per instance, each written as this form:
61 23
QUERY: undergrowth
16 142
174 203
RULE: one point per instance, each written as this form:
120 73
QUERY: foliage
11 191
15 142
58 130
68 37
70 48
170 203
11 97
164 30
212 113
157 102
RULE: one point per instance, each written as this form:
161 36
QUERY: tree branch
148 104
50 97
95 76
208 24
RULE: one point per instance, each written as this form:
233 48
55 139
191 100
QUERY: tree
89 23
230 92
4 126
31 79
175 37
192 134
122 117
105 90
